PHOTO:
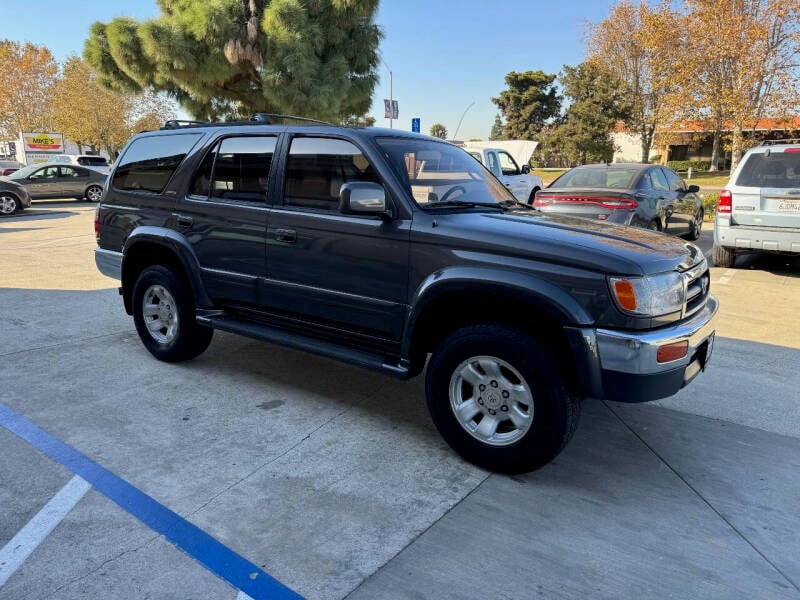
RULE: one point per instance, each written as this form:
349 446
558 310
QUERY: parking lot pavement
333 480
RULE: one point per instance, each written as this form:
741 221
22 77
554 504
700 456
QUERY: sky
448 58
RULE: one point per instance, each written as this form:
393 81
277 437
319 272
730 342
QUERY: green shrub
683 165
655 159
710 201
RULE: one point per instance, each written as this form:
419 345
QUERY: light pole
461 119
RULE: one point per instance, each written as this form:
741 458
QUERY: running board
282 337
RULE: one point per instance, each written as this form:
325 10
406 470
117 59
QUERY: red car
7 167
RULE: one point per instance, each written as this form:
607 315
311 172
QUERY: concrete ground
333 480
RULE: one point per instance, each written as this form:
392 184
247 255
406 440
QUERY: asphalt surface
334 482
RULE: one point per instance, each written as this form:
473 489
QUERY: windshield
620 178
438 172
25 171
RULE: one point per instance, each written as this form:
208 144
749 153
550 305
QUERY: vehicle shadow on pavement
31 216
777 264
645 503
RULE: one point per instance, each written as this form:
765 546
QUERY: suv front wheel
499 398
164 314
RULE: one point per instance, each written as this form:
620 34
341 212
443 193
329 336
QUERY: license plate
709 349
787 205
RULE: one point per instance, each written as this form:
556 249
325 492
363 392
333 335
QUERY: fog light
672 352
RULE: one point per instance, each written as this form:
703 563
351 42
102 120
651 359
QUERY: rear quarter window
149 162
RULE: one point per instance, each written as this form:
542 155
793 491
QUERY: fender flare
178 246
526 287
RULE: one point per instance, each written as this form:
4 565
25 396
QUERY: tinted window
676 184
778 170
92 161
318 167
149 162
46 173
237 169
621 178
69 172
659 180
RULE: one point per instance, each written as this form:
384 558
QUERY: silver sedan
58 180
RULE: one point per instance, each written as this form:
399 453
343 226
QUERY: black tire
93 193
722 256
9 204
696 227
552 416
171 306
642 224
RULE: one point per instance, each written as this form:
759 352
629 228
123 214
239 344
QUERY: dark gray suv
383 248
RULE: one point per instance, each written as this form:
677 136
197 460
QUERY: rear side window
773 170
237 169
149 162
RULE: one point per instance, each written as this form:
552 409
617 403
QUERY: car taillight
725 205
611 203
794 149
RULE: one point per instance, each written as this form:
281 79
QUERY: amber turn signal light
625 294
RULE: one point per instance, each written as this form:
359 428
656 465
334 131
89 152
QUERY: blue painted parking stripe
214 556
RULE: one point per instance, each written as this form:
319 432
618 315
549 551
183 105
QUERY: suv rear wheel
723 257
164 314
499 398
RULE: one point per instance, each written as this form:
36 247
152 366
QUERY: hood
570 241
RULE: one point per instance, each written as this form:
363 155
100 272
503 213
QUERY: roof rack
268 119
176 123
776 142
256 119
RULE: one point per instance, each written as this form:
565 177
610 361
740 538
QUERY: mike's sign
43 142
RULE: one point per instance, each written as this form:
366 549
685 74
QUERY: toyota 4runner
381 248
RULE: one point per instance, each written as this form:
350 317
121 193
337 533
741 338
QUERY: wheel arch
150 246
456 299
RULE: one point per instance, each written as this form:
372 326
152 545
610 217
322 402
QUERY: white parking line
15 552
243 596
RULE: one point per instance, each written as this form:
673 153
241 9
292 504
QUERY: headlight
649 296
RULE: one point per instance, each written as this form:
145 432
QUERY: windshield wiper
458 204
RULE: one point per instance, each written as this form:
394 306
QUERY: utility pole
391 99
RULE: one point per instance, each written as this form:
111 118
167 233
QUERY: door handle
286 235
183 220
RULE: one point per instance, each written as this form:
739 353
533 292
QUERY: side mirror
526 169
363 198
693 189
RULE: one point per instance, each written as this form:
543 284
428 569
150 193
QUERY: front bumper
622 365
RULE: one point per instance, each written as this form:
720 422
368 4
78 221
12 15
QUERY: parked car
13 197
59 180
759 209
378 248
648 196
93 161
501 163
7 167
